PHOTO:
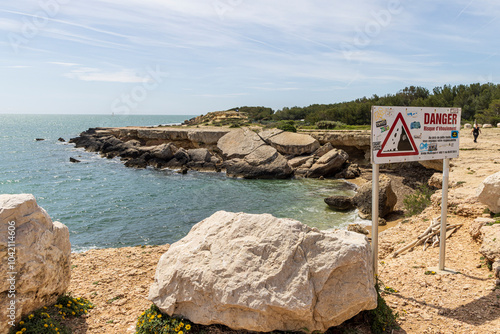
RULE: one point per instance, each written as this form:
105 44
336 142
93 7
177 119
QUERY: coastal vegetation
479 102
51 320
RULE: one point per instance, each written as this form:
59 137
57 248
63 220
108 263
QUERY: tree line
479 102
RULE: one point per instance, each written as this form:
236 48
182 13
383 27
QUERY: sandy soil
117 280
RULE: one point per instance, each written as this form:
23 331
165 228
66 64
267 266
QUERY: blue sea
105 204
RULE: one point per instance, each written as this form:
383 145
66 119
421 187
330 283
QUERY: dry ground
117 280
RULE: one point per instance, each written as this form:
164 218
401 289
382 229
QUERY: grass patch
48 320
418 201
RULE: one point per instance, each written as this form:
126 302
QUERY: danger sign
411 134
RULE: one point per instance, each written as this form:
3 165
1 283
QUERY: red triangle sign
401 143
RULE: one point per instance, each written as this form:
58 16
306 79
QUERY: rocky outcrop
261 273
387 198
293 144
328 164
263 163
241 152
39 254
488 192
340 202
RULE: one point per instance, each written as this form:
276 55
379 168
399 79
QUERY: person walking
475 132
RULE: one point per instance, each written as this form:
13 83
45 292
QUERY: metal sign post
444 213
375 189
403 134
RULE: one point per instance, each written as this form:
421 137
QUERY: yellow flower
188 327
181 332
21 322
45 325
57 329
73 313
23 330
45 307
19 332
159 315
181 325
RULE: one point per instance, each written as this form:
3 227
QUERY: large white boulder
37 251
261 273
239 143
488 192
290 143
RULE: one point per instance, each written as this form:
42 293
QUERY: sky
191 57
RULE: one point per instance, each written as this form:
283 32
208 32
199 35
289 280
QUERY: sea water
105 204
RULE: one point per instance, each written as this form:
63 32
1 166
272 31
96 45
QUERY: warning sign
411 134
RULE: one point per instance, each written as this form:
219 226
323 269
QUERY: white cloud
94 74
65 64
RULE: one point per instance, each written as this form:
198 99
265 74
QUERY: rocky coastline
243 152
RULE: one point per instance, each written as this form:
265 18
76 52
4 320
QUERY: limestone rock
487 126
328 164
433 164
261 273
299 161
467 126
387 197
352 171
323 150
488 192
200 155
436 180
340 202
490 247
498 125
266 134
357 228
263 163
42 256
476 225
290 143
239 143
164 151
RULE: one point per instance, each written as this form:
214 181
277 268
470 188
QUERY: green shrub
47 320
382 319
329 124
287 126
152 321
418 201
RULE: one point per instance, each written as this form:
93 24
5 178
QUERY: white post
444 212
375 188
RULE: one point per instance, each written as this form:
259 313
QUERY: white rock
261 273
42 256
487 126
498 125
467 126
290 143
239 143
488 192
490 247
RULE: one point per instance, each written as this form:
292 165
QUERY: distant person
475 132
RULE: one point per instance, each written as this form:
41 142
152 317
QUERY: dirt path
117 280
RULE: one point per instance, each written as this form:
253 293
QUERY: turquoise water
105 204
